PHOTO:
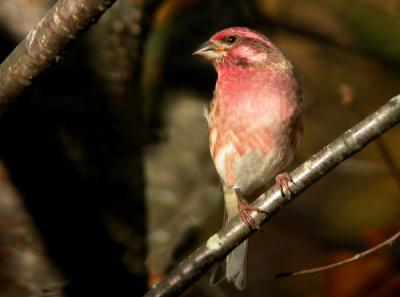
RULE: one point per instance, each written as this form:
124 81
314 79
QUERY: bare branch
231 235
347 99
45 43
383 244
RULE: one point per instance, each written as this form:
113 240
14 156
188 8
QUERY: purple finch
255 122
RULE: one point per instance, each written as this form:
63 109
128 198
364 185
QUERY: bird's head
242 47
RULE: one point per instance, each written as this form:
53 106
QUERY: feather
233 268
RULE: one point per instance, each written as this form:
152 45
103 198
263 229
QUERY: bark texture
45 44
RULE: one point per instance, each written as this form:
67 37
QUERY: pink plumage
255 121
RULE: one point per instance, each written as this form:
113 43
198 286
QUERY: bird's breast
246 158
253 123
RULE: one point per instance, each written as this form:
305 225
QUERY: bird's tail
235 262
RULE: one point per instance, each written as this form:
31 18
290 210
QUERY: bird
255 122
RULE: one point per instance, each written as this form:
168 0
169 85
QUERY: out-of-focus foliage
25 268
363 25
17 17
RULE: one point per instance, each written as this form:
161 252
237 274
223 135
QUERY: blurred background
106 182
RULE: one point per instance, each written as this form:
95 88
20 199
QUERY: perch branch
45 43
347 99
220 244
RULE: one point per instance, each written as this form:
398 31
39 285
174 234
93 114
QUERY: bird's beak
209 50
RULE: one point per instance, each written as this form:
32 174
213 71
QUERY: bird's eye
230 39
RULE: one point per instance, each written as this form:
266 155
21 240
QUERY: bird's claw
283 180
245 211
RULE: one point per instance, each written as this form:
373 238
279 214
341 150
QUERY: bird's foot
245 211
283 180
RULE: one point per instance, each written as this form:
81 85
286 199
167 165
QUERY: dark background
105 176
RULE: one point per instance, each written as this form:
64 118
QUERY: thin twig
386 243
220 244
45 44
347 99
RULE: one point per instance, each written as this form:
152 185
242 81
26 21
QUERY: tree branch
44 45
383 244
220 244
348 100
